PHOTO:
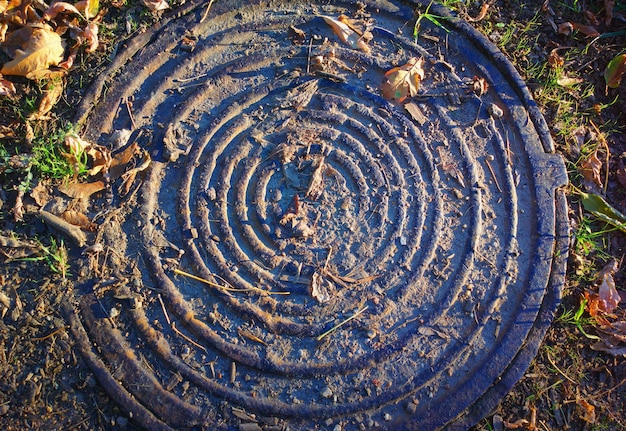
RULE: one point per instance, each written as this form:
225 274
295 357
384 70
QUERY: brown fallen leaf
481 15
587 30
555 60
128 177
7 89
156 5
88 7
590 170
592 18
51 96
79 219
120 160
347 35
42 49
82 191
316 185
588 411
608 295
57 8
402 81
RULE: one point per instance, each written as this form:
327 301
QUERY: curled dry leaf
88 7
42 49
555 60
615 71
156 5
7 89
608 295
81 191
402 81
91 36
566 81
51 95
590 170
588 411
482 14
79 219
347 35
57 8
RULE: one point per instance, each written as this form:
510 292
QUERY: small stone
249 426
337 428
387 417
326 392
328 422
410 407
498 423
4 409
122 422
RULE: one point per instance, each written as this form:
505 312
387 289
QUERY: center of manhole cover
305 253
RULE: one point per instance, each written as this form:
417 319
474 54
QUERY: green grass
55 256
576 318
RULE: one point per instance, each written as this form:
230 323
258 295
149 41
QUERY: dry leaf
608 295
44 48
347 35
590 170
566 81
88 7
57 8
156 5
481 15
6 88
82 191
480 86
316 185
403 81
79 219
587 30
589 411
51 95
121 159
555 60
91 36
615 71
320 287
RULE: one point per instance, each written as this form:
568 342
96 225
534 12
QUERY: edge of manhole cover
301 251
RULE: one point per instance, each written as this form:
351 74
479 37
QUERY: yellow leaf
403 81
44 48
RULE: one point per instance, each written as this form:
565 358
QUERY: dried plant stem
173 326
334 328
225 288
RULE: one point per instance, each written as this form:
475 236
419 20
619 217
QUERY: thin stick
130 113
173 326
52 334
206 12
561 372
334 328
493 174
224 288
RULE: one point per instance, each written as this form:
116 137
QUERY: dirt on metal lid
350 221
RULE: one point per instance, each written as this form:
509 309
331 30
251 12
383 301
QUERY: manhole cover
307 253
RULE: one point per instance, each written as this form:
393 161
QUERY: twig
129 108
206 12
173 326
493 174
337 326
559 370
224 288
52 334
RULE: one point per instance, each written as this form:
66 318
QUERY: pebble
326 392
4 409
387 417
410 407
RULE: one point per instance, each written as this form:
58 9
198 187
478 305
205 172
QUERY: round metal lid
306 252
